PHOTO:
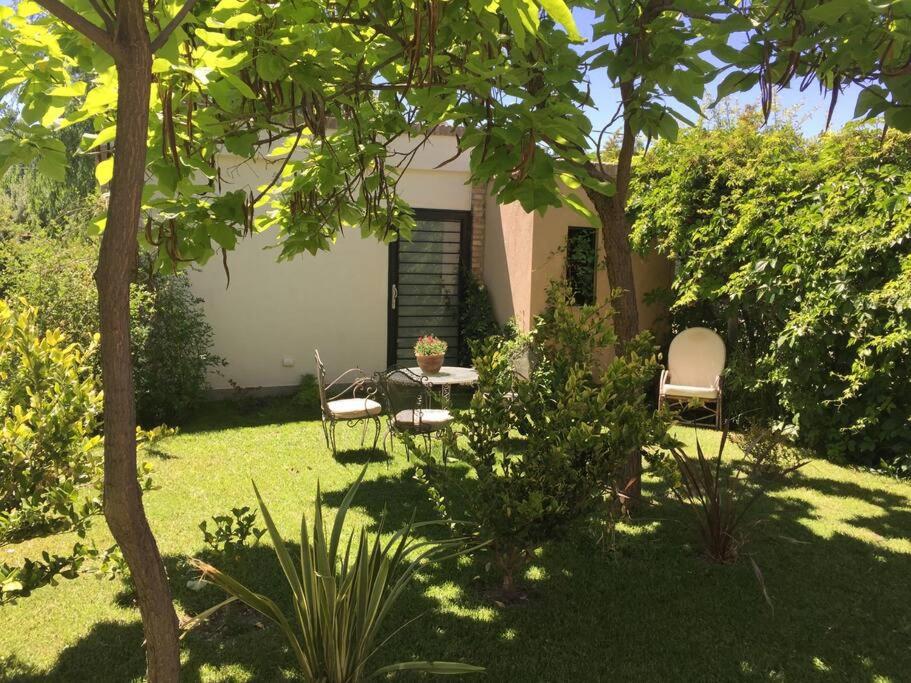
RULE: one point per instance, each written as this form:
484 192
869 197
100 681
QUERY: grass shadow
648 607
248 412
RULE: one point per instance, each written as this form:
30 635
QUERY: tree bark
618 259
123 507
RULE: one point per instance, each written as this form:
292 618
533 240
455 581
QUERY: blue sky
812 106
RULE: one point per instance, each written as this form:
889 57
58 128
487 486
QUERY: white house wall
273 315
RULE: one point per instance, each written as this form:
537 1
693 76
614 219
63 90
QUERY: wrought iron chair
408 399
354 402
692 380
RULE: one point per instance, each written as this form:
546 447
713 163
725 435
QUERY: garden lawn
834 552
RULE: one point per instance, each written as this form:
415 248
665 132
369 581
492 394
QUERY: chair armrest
664 377
718 382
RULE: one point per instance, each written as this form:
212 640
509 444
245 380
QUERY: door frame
392 320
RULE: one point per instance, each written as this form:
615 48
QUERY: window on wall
581 264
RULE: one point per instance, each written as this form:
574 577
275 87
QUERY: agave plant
341 596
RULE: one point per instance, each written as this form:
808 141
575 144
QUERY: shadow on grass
362 456
651 609
248 412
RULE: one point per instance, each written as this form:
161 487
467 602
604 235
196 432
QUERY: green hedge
172 342
798 250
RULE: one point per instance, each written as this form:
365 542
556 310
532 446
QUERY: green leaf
241 20
559 12
872 101
104 171
223 234
736 81
51 166
830 12
270 66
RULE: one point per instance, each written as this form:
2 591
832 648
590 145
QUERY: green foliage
476 318
307 395
49 456
18 582
54 274
720 493
342 596
30 198
231 531
225 80
801 250
580 423
173 354
172 342
49 407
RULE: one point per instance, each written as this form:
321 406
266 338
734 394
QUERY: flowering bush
429 345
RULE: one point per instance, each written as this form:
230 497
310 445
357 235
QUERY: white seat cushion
685 391
352 408
428 418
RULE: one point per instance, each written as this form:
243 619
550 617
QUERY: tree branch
166 32
107 18
78 22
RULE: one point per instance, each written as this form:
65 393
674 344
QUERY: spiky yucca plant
341 598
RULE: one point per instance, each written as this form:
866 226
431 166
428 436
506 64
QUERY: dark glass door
425 284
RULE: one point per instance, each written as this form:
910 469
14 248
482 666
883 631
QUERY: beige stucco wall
515 238
272 316
508 252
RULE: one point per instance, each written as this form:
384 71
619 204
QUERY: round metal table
447 377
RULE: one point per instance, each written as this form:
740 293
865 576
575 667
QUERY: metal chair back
402 389
321 382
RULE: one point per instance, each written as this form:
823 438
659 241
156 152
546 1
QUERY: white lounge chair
692 379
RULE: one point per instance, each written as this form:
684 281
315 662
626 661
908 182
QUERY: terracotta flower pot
430 364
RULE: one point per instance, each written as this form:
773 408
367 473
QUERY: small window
581 264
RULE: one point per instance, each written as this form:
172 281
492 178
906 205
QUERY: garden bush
51 462
172 354
798 251
721 492
49 406
477 321
580 421
172 342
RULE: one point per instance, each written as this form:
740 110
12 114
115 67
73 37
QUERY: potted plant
430 351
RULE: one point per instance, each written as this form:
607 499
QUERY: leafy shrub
342 597
307 395
173 352
801 250
721 493
49 407
231 532
56 276
580 423
172 342
19 582
477 321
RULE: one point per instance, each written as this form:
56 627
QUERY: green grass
835 553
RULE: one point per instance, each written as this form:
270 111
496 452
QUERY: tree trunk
618 258
123 507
